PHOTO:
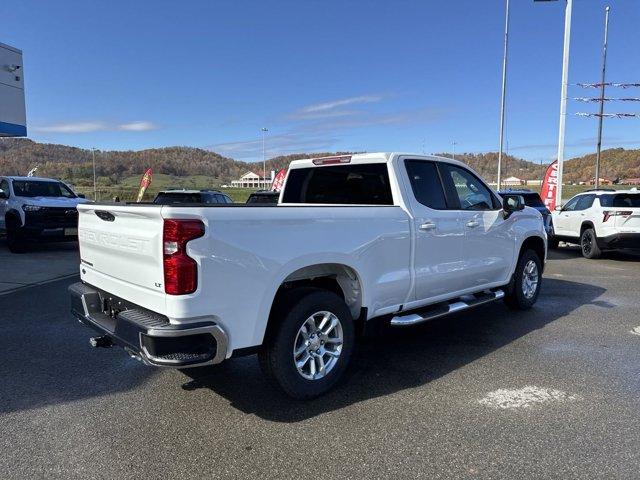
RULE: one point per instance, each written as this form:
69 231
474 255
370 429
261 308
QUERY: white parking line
523 397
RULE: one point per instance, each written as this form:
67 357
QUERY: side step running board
445 308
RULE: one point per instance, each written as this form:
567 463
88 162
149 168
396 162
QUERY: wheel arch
339 278
13 213
586 224
535 243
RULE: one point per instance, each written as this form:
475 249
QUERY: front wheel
527 280
310 346
15 239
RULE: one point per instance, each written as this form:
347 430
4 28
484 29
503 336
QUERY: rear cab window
349 184
621 200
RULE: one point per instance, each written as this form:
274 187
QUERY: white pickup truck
388 237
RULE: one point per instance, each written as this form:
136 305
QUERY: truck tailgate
122 245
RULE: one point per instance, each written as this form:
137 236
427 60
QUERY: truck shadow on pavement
45 358
398 359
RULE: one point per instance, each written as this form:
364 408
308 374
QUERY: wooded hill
18 156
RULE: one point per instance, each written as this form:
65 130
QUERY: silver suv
33 208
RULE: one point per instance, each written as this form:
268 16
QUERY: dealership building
13 118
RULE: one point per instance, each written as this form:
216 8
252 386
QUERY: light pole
563 93
453 146
504 92
264 130
604 70
95 191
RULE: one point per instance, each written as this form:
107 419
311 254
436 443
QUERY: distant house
630 181
513 182
252 180
603 181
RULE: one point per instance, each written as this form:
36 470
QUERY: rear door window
584 202
426 184
365 184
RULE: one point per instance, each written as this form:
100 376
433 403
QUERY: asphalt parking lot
552 392
44 263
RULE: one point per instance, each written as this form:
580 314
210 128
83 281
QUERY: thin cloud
333 108
585 142
371 119
320 107
73 127
140 126
96 126
274 145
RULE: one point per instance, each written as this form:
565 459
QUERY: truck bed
246 253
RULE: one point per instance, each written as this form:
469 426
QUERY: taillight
180 270
615 213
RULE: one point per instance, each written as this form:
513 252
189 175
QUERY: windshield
166 198
39 188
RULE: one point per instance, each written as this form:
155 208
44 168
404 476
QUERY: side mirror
81 195
512 203
558 208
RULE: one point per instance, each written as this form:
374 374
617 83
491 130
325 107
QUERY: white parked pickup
389 237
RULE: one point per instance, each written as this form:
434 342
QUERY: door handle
428 226
473 223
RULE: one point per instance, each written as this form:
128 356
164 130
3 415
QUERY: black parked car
533 200
264 196
191 197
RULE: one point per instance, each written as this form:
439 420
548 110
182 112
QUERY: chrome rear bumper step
445 308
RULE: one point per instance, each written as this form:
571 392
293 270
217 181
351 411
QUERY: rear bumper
620 240
146 335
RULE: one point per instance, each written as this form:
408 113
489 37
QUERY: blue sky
321 75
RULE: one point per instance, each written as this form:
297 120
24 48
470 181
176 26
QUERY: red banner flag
278 180
549 186
144 183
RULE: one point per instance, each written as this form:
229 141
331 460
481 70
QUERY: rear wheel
527 280
310 347
589 244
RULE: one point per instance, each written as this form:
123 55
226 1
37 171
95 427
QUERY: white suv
599 220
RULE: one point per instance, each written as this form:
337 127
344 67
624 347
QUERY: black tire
589 244
553 242
15 239
518 297
277 353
